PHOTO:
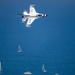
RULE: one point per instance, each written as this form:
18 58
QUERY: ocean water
36 70
18 63
49 41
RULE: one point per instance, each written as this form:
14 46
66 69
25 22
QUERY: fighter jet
31 16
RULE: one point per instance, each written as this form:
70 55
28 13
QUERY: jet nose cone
46 14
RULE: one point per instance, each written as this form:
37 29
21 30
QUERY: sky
49 40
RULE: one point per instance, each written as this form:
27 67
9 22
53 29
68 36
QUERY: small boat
56 74
19 49
43 68
27 73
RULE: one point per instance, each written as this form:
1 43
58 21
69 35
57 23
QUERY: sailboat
56 74
19 49
43 68
0 67
27 73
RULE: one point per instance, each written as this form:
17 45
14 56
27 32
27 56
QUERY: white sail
19 49
43 68
56 74
0 67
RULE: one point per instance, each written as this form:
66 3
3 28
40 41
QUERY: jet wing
32 10
30 20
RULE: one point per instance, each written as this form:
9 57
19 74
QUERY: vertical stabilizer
25 12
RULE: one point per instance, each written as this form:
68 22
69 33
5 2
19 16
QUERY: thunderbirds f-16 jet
31 16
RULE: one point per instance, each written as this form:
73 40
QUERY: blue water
33 57
18 67
49 41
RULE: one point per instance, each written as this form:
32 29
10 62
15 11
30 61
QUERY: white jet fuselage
35 16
